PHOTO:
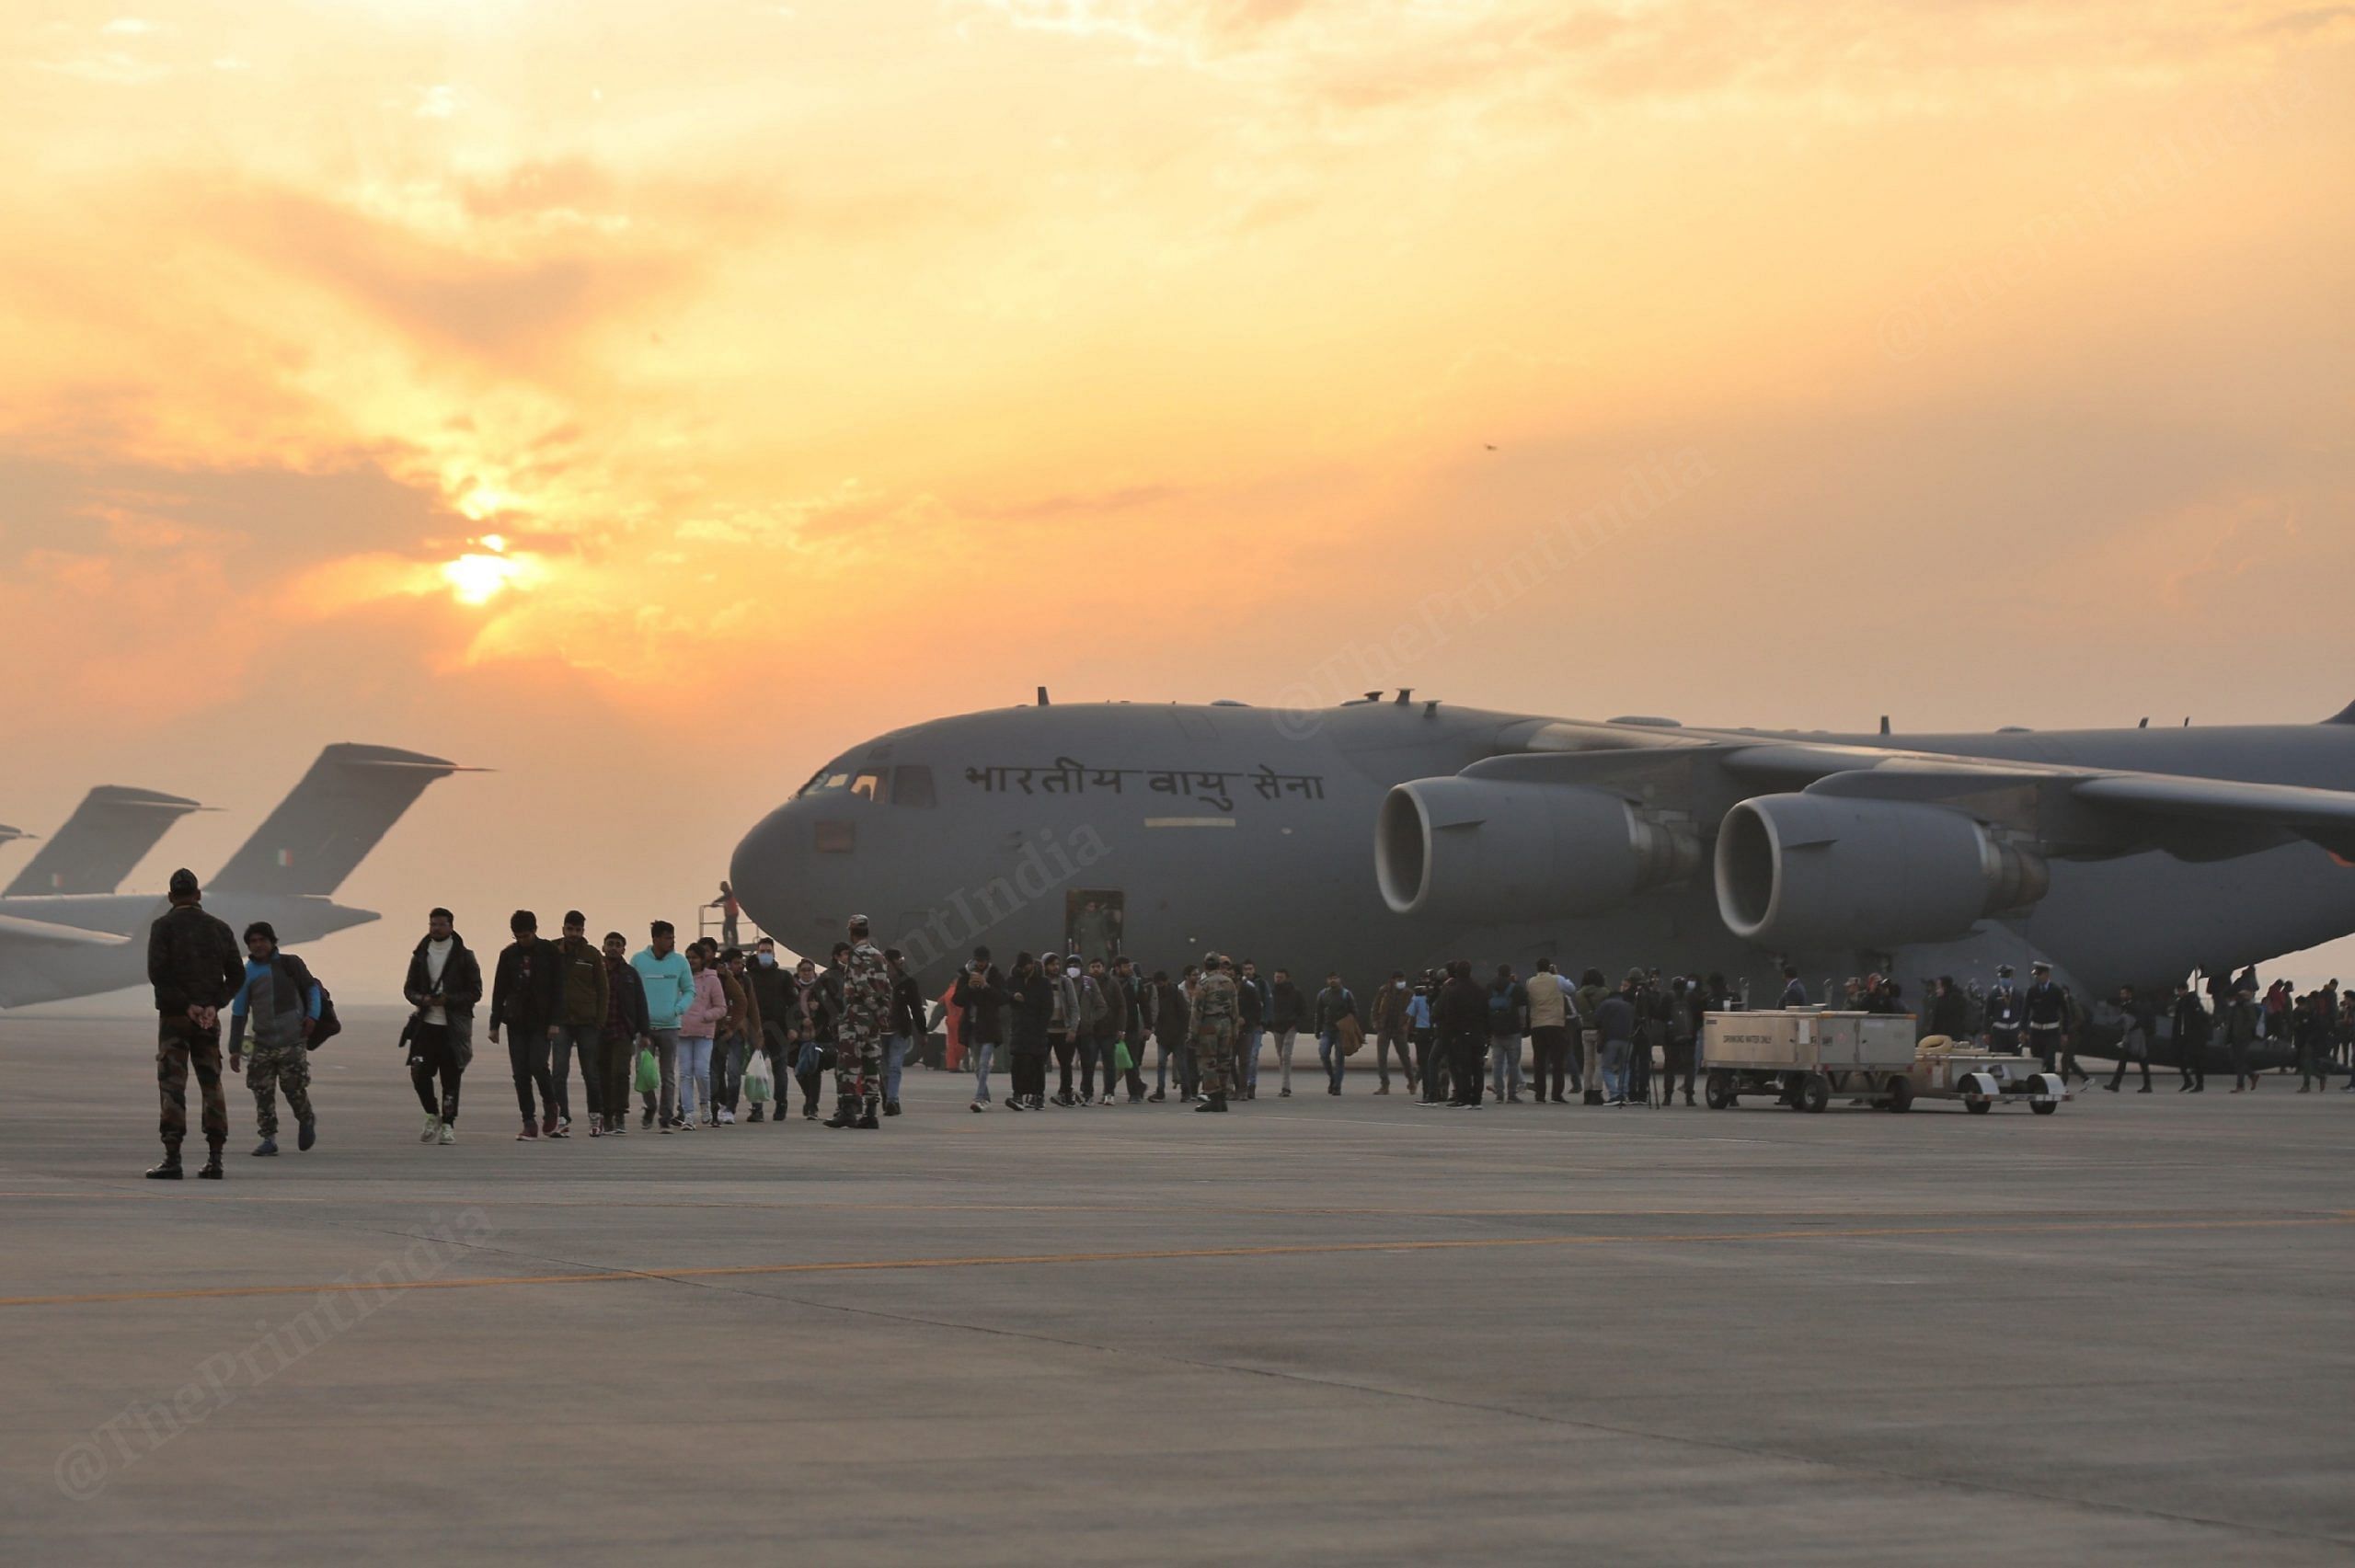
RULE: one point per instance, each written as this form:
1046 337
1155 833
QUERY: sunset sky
646 402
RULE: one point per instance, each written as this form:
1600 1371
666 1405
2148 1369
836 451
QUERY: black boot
867 1122
170 1170
1216 1103
212 1171
845 1113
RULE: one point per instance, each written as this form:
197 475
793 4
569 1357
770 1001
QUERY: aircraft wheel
1979 1108
1901 1093
2044 1107
1814 1094
1719 1090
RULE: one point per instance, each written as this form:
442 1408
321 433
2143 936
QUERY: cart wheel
1717 1090
1814 1092
2044 1107
1901 1093
1979 1108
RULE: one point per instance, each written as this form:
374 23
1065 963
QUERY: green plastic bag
1121 1056
650 1072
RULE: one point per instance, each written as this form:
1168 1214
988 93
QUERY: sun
478 579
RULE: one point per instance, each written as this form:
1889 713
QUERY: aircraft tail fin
326 827
2344 716
108 833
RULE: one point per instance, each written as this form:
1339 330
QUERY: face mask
768 960
1071 969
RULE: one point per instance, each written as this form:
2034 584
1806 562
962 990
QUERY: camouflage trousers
858 1066
270 1068
1214 1051
179 1042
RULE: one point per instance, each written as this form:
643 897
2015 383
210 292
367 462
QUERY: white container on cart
1804 1056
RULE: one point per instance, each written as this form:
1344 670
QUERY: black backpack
327 1025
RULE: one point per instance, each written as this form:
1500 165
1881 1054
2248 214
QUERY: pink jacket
702 1017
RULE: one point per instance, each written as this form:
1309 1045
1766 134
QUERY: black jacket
1033 1004
1286 1006
193 961
773 992
907 1009
1461 1012
532 1004
983 998
461 979
627 989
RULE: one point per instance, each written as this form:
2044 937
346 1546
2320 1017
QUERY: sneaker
754 1118
1157 1096
727 1118
432 1127
977 1107
809 1111
564 1126
1284 1093
890 1107
268 1145
596 1127
551 1129
646 1118
448 1134
531 1131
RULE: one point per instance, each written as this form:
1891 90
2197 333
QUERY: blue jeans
1504 1064
1615 1057
981 1054
727 1069
694 1073
1247 1056
895 1051
1328 1052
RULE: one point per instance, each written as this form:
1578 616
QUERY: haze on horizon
650 406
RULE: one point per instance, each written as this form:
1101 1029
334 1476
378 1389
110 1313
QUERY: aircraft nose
773 875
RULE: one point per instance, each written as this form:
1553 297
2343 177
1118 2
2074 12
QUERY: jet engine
1500 850
1808 872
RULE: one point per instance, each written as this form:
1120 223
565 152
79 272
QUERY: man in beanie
194 967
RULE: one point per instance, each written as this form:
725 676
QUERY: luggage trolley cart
1805 1055
1983 1080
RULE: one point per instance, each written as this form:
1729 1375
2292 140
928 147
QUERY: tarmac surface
1314 1330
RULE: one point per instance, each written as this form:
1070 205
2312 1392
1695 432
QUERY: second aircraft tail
338 812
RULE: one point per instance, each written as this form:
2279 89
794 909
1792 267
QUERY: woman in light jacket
698 1023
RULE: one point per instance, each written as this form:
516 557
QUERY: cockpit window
811 787
912 784
869 785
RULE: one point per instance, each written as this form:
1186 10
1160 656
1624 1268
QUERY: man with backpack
283 1004
1507 1021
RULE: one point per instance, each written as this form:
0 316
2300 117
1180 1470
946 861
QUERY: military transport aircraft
64 932
1395 832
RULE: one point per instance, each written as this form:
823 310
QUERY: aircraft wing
45 933
2067 810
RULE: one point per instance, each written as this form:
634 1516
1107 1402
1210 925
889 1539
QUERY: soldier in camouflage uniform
1217 1006
867 1018
195 967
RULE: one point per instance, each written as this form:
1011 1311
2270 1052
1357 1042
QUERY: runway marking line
616 1275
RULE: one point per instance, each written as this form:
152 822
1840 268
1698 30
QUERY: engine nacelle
1800 873
1497 850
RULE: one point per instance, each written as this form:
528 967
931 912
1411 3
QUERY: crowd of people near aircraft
711 1034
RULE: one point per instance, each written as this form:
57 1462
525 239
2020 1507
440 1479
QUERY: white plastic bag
760 1084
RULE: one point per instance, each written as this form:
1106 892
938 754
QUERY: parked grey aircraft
106 835
1398 833
83 940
